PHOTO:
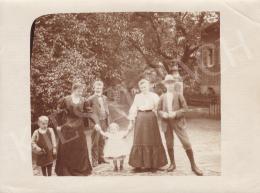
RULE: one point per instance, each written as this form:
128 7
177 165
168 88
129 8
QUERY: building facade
209 64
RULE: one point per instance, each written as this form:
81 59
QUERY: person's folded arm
34 141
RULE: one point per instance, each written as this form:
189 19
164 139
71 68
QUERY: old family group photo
133 93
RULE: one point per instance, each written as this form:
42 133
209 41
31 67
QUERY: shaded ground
205 137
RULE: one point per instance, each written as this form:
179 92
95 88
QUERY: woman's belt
145 110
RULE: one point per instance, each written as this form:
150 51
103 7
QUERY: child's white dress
115 146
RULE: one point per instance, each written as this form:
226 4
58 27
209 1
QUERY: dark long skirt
147 150
72 156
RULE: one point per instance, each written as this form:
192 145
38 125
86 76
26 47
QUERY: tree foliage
114 47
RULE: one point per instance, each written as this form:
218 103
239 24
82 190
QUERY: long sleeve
133 109
105 134
61 104
107 109
35 147
94 118
53 138
183 102
156 102
61 113
160 107
184 107
88 106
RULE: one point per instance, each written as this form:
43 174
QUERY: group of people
148 114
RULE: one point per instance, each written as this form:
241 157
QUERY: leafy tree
116 47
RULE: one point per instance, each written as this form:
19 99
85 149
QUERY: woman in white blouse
147 152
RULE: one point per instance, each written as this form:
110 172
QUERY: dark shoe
94 164
153 170
137 170
194 167
102 161
146 170
121 164
171 168
115 169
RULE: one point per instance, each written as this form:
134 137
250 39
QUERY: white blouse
143 102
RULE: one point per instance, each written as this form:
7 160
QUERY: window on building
208 57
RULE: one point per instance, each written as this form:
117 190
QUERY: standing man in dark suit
99 105
171 107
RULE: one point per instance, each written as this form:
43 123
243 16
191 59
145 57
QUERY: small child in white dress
115 146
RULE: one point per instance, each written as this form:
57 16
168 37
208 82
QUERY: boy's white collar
43 130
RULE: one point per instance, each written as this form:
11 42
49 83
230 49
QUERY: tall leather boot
171 155
194 167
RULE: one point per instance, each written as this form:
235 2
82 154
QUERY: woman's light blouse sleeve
133 109
156 102
53 138
105 134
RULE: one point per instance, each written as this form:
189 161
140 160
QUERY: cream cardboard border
240 28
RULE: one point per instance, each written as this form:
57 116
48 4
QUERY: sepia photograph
126 94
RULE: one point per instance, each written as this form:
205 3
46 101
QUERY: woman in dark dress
72 155
147 151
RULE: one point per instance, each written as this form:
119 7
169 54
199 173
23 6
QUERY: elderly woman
147 152
73 156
